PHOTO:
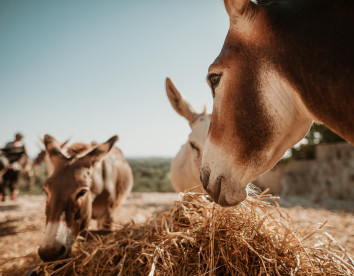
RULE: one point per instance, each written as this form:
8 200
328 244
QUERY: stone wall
330 175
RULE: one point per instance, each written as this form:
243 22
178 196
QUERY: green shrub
151 174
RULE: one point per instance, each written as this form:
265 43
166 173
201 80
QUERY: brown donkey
90 183
284 64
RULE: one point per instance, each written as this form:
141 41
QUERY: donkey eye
81 193
214 80
195 148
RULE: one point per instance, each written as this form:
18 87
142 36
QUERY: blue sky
92 69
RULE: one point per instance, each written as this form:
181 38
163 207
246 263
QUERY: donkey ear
179 104
65 143
236 8
98 153
52 147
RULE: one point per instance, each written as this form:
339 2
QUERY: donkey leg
5 184
108 221
105 223
14 181
2 186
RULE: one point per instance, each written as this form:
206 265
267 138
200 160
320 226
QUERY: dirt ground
22 223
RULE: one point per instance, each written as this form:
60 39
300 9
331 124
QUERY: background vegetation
318 134
152 174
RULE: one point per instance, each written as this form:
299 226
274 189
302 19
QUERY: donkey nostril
204 177
48 254
217 188
62 250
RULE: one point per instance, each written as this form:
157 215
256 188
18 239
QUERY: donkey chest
101 204
102 191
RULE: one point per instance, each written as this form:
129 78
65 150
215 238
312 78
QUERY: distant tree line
151 174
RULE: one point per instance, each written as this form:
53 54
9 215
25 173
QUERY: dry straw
198 237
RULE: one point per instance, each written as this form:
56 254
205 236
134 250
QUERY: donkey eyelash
193 146
214 80
81 193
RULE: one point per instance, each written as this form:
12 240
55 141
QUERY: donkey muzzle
221 189
56 251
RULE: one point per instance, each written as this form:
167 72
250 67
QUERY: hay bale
198 237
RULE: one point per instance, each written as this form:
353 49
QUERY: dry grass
198 237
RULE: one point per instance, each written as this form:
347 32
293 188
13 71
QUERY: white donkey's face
189 159
197 138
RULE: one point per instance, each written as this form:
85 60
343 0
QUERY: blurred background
87 70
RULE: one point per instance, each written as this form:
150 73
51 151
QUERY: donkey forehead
69 177
202 121
200 128
259 40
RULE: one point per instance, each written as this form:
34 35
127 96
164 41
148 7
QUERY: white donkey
186 165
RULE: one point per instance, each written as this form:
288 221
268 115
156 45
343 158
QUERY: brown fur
317 59
252 130
287 56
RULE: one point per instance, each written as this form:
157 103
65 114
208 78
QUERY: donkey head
256 116
69 200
